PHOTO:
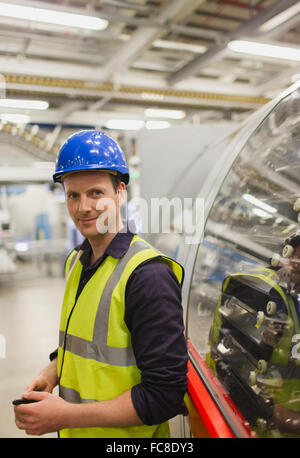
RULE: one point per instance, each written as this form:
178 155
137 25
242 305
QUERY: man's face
92 202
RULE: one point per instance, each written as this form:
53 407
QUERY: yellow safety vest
95 356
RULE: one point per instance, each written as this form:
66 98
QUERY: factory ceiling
205 60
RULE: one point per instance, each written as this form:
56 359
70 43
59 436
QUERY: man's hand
40 383
46 380
51 413
45 416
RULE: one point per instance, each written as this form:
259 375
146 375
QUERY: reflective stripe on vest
71 260
98 349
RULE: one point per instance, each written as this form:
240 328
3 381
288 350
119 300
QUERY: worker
121 363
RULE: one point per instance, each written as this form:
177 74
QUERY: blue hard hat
90 150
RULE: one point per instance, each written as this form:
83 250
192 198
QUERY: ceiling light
280 18
21 246
165 44
159 113
263 49
157 124
127 124
52 16
258 203
26 104
152 96
261 213
14 118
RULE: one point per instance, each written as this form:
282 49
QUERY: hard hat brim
59 177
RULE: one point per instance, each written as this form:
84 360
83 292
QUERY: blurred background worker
122 360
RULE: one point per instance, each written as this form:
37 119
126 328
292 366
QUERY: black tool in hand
17 402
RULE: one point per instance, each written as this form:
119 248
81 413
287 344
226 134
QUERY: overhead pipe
93 90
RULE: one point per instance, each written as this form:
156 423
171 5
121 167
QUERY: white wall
165 153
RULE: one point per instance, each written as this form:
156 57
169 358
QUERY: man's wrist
50 373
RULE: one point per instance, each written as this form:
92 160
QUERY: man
122 358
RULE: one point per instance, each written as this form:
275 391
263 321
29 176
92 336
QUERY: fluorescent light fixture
152 96
160 113
21 246
26 104
14 118
280 18
264 49
157 125
127 124
258 203
261 213
166 44
52 16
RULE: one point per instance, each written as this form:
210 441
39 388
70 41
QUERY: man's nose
84 204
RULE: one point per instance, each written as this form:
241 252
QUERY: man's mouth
87 220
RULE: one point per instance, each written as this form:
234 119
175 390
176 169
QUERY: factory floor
29 321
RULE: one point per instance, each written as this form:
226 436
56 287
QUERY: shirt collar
117 247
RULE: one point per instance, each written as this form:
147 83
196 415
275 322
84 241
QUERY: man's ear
121 191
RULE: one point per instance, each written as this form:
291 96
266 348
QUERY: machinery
241 294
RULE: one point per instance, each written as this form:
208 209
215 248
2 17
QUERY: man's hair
116 180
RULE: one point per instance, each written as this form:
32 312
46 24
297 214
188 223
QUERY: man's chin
97 229
89 232
94 233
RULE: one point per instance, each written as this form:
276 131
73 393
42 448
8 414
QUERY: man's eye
97 192
73 195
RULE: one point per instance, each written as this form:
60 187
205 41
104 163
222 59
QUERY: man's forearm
118 412
50 370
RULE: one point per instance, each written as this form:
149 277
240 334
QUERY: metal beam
214 94
216 52
26 174
52 6
279 79
89 118
113 18
142 39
